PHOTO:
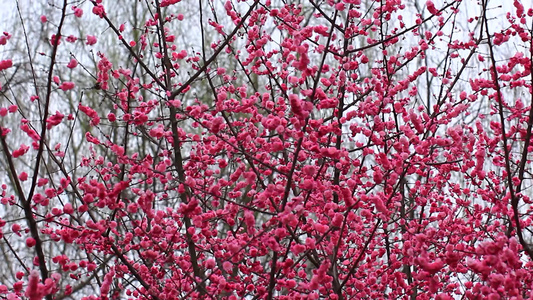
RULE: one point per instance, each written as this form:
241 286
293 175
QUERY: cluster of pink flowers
333 149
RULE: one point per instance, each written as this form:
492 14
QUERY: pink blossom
99 10
5 64
55 40
228 266
111 117
72 64
91 40
166 3
431 7
15 228
23 149
68 209
519 8
23 176
33 290
78 12
65 86
91 113
182 54
30 242
54 120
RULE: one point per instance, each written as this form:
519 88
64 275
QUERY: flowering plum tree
340 149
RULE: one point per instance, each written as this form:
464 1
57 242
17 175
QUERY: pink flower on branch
72 64
99 10
65 86
54 120
34 288
91 113
166 3
91 40
78 12
431 7
20 151
5 64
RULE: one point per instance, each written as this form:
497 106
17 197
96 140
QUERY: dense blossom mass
266 149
